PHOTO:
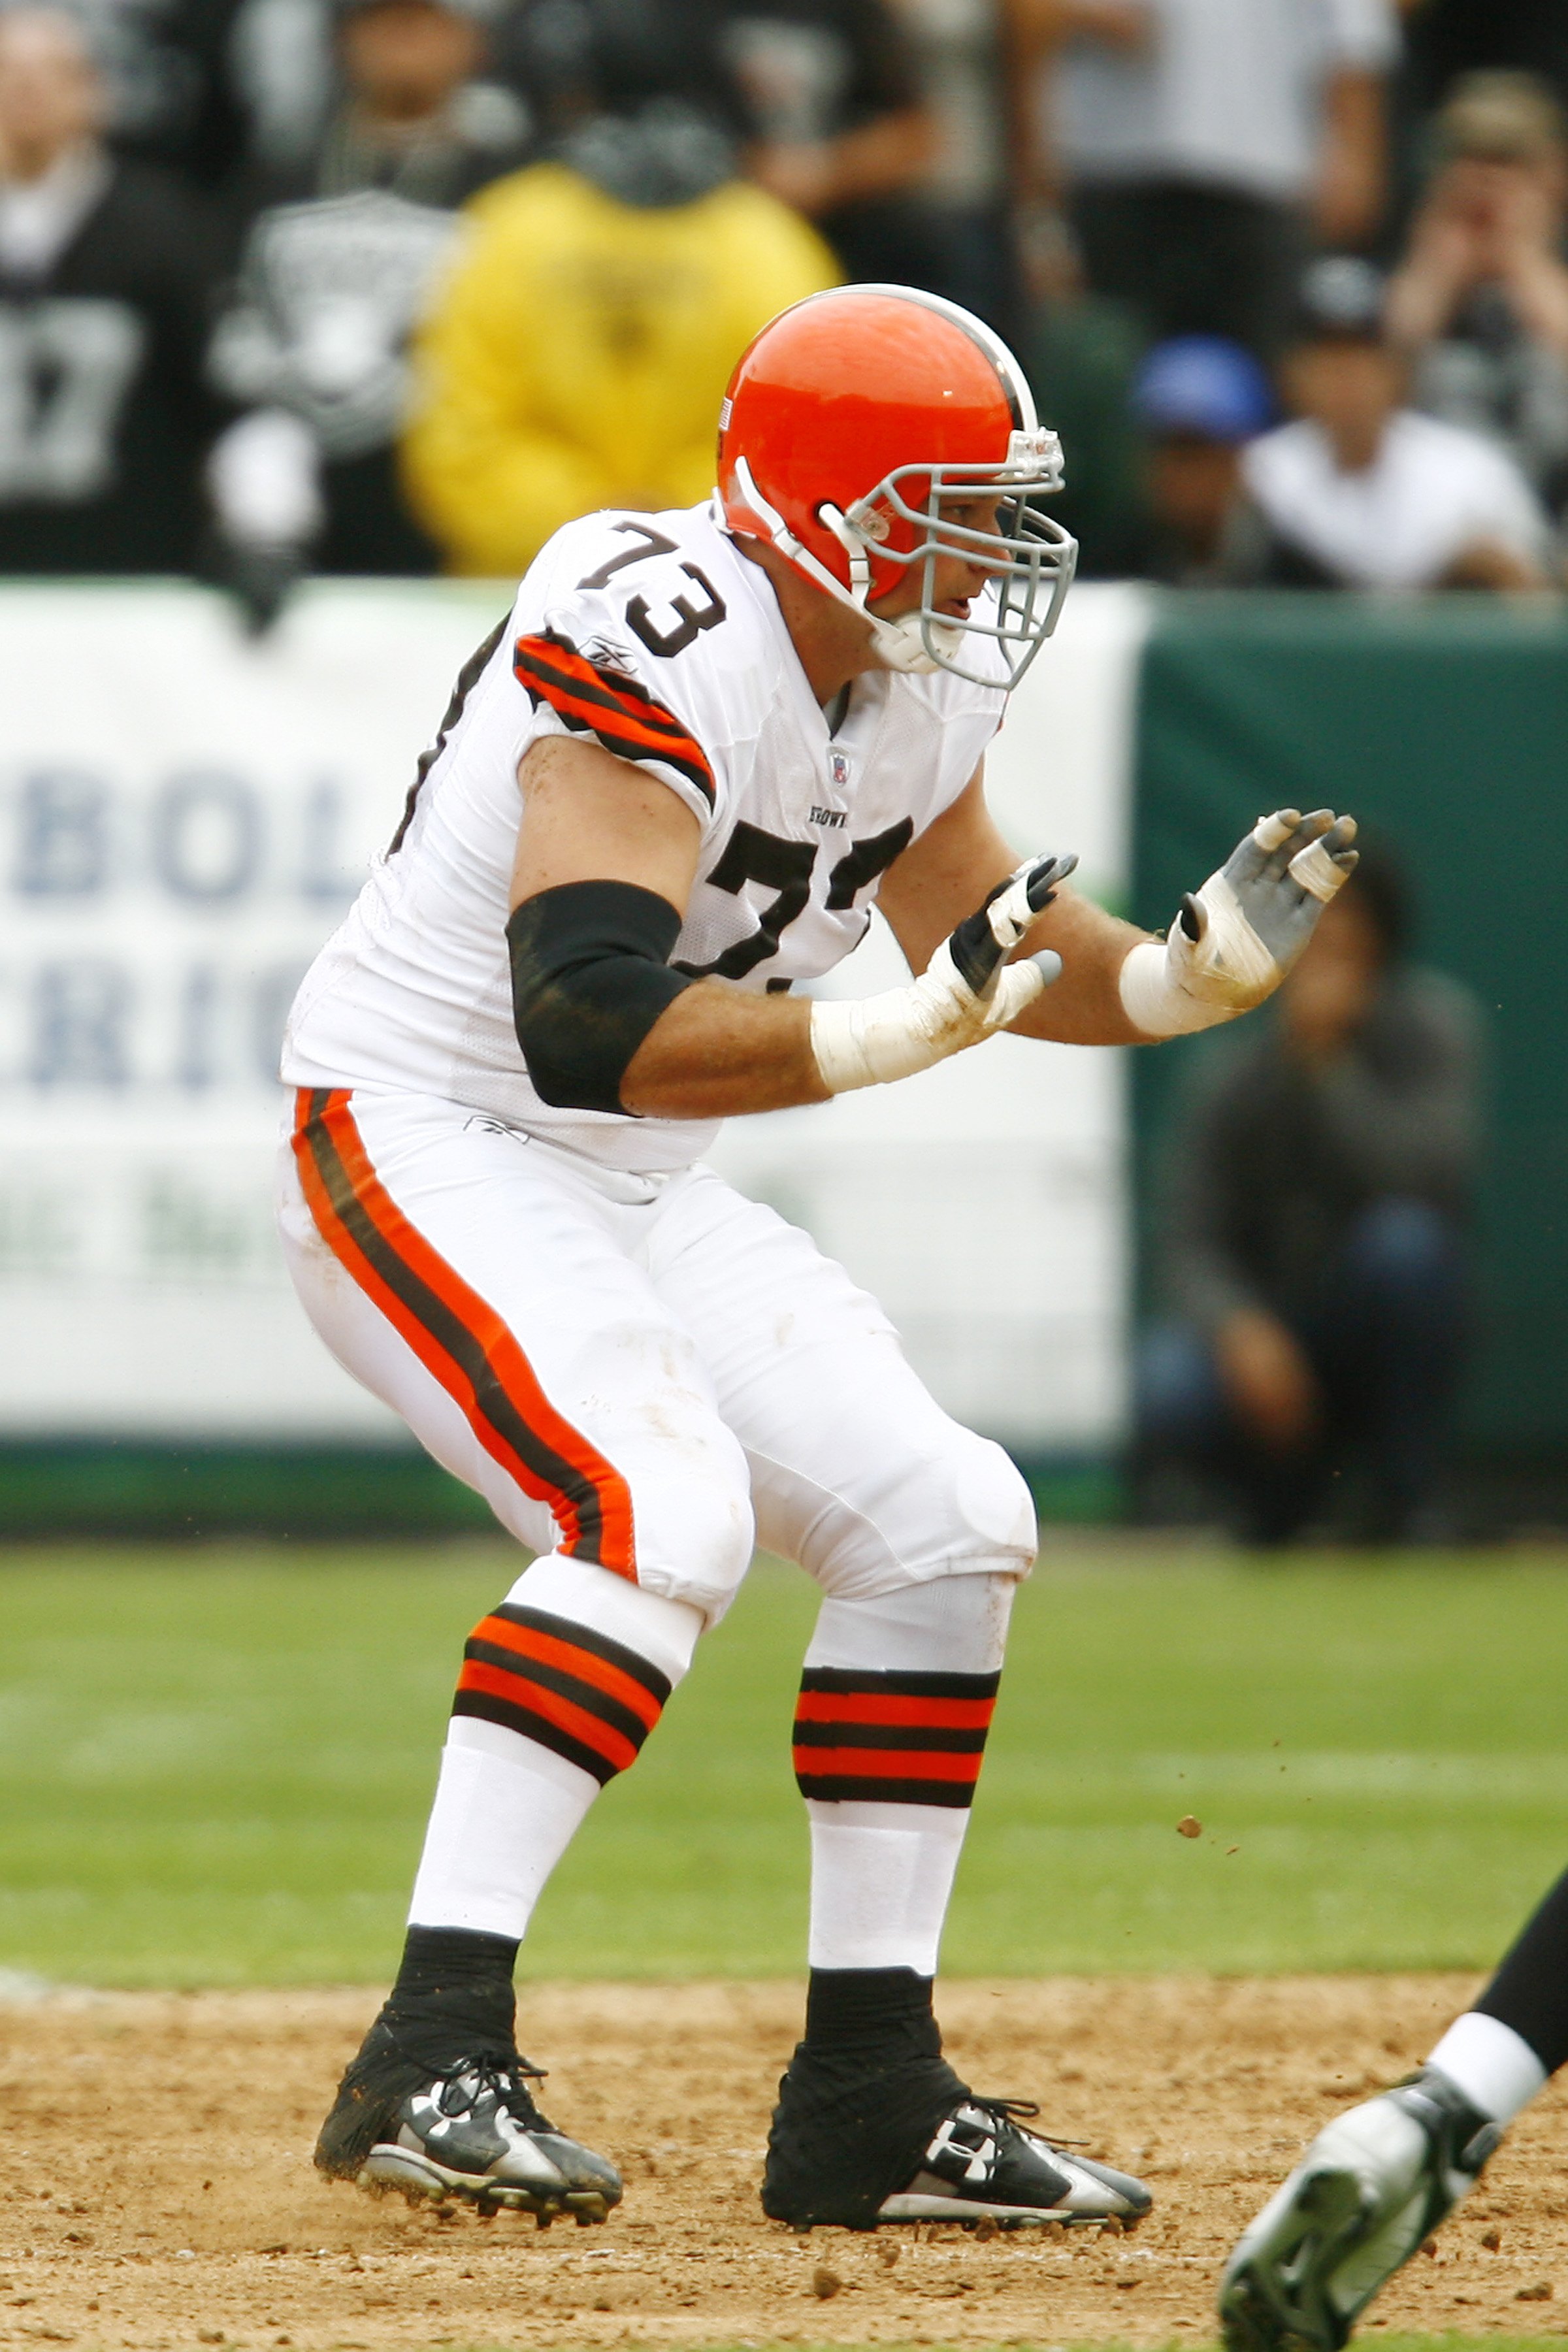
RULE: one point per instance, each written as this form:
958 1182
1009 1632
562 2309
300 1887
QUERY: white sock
880 1879
1495 2067
882 1875
506 1807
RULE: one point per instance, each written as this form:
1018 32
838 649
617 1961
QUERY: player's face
957 580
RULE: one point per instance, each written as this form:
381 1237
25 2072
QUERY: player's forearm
1084 1007
715 1053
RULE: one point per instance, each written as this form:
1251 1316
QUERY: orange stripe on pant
458 1337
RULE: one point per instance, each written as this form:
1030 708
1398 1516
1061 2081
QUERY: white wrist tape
872 1040
1157 1004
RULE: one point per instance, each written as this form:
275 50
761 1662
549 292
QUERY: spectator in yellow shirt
579 350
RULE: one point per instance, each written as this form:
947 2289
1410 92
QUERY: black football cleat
852 2147
981 2165
469 2129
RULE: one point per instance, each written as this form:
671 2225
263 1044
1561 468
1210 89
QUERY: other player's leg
487 1290
919 1532
1379 2179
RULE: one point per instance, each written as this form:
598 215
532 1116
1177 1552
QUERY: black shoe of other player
467 2129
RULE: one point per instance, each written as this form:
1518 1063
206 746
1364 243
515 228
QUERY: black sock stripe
587 1695
900 1685
457 1341
830 1788
537 1728
596 1644
892 1739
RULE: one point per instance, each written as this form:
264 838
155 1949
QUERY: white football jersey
655 635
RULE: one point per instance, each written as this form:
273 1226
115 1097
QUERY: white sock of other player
895 1701
560 1687
1495 2067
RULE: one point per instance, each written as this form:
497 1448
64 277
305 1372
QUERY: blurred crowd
399 286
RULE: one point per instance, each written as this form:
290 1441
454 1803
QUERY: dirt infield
158 2188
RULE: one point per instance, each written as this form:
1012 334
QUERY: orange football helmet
852 421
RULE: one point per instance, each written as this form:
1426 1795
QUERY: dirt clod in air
1189 1826
826 2284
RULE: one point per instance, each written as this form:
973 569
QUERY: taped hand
1234 939
966 993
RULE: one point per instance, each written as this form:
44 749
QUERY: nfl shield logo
837 769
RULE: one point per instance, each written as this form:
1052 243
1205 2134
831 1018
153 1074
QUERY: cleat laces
503 2076
465 2082
1008 2114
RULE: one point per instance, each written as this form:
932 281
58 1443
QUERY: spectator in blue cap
1200 399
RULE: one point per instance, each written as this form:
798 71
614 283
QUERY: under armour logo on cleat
968 2146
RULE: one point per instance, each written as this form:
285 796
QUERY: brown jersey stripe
595 1653
881 1738
835 1789
619 710
528 1725
468 678
551 1675
893 1709
900 1682
460 1339
614 1748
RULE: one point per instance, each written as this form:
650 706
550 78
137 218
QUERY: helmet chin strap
898 644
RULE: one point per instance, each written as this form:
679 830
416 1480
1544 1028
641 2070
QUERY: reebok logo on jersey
604 654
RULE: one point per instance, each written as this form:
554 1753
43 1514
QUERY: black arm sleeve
589 979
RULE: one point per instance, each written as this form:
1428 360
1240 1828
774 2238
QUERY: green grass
214 1767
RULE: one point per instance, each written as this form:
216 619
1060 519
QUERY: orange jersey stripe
591 697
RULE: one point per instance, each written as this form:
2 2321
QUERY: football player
670 787
1377 2180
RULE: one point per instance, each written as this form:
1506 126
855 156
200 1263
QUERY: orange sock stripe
524 1643
894 1707
460 1341
589 1730
873 1764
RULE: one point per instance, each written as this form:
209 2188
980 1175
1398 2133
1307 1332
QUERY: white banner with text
184 816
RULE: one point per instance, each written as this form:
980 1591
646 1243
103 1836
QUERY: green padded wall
1443 722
